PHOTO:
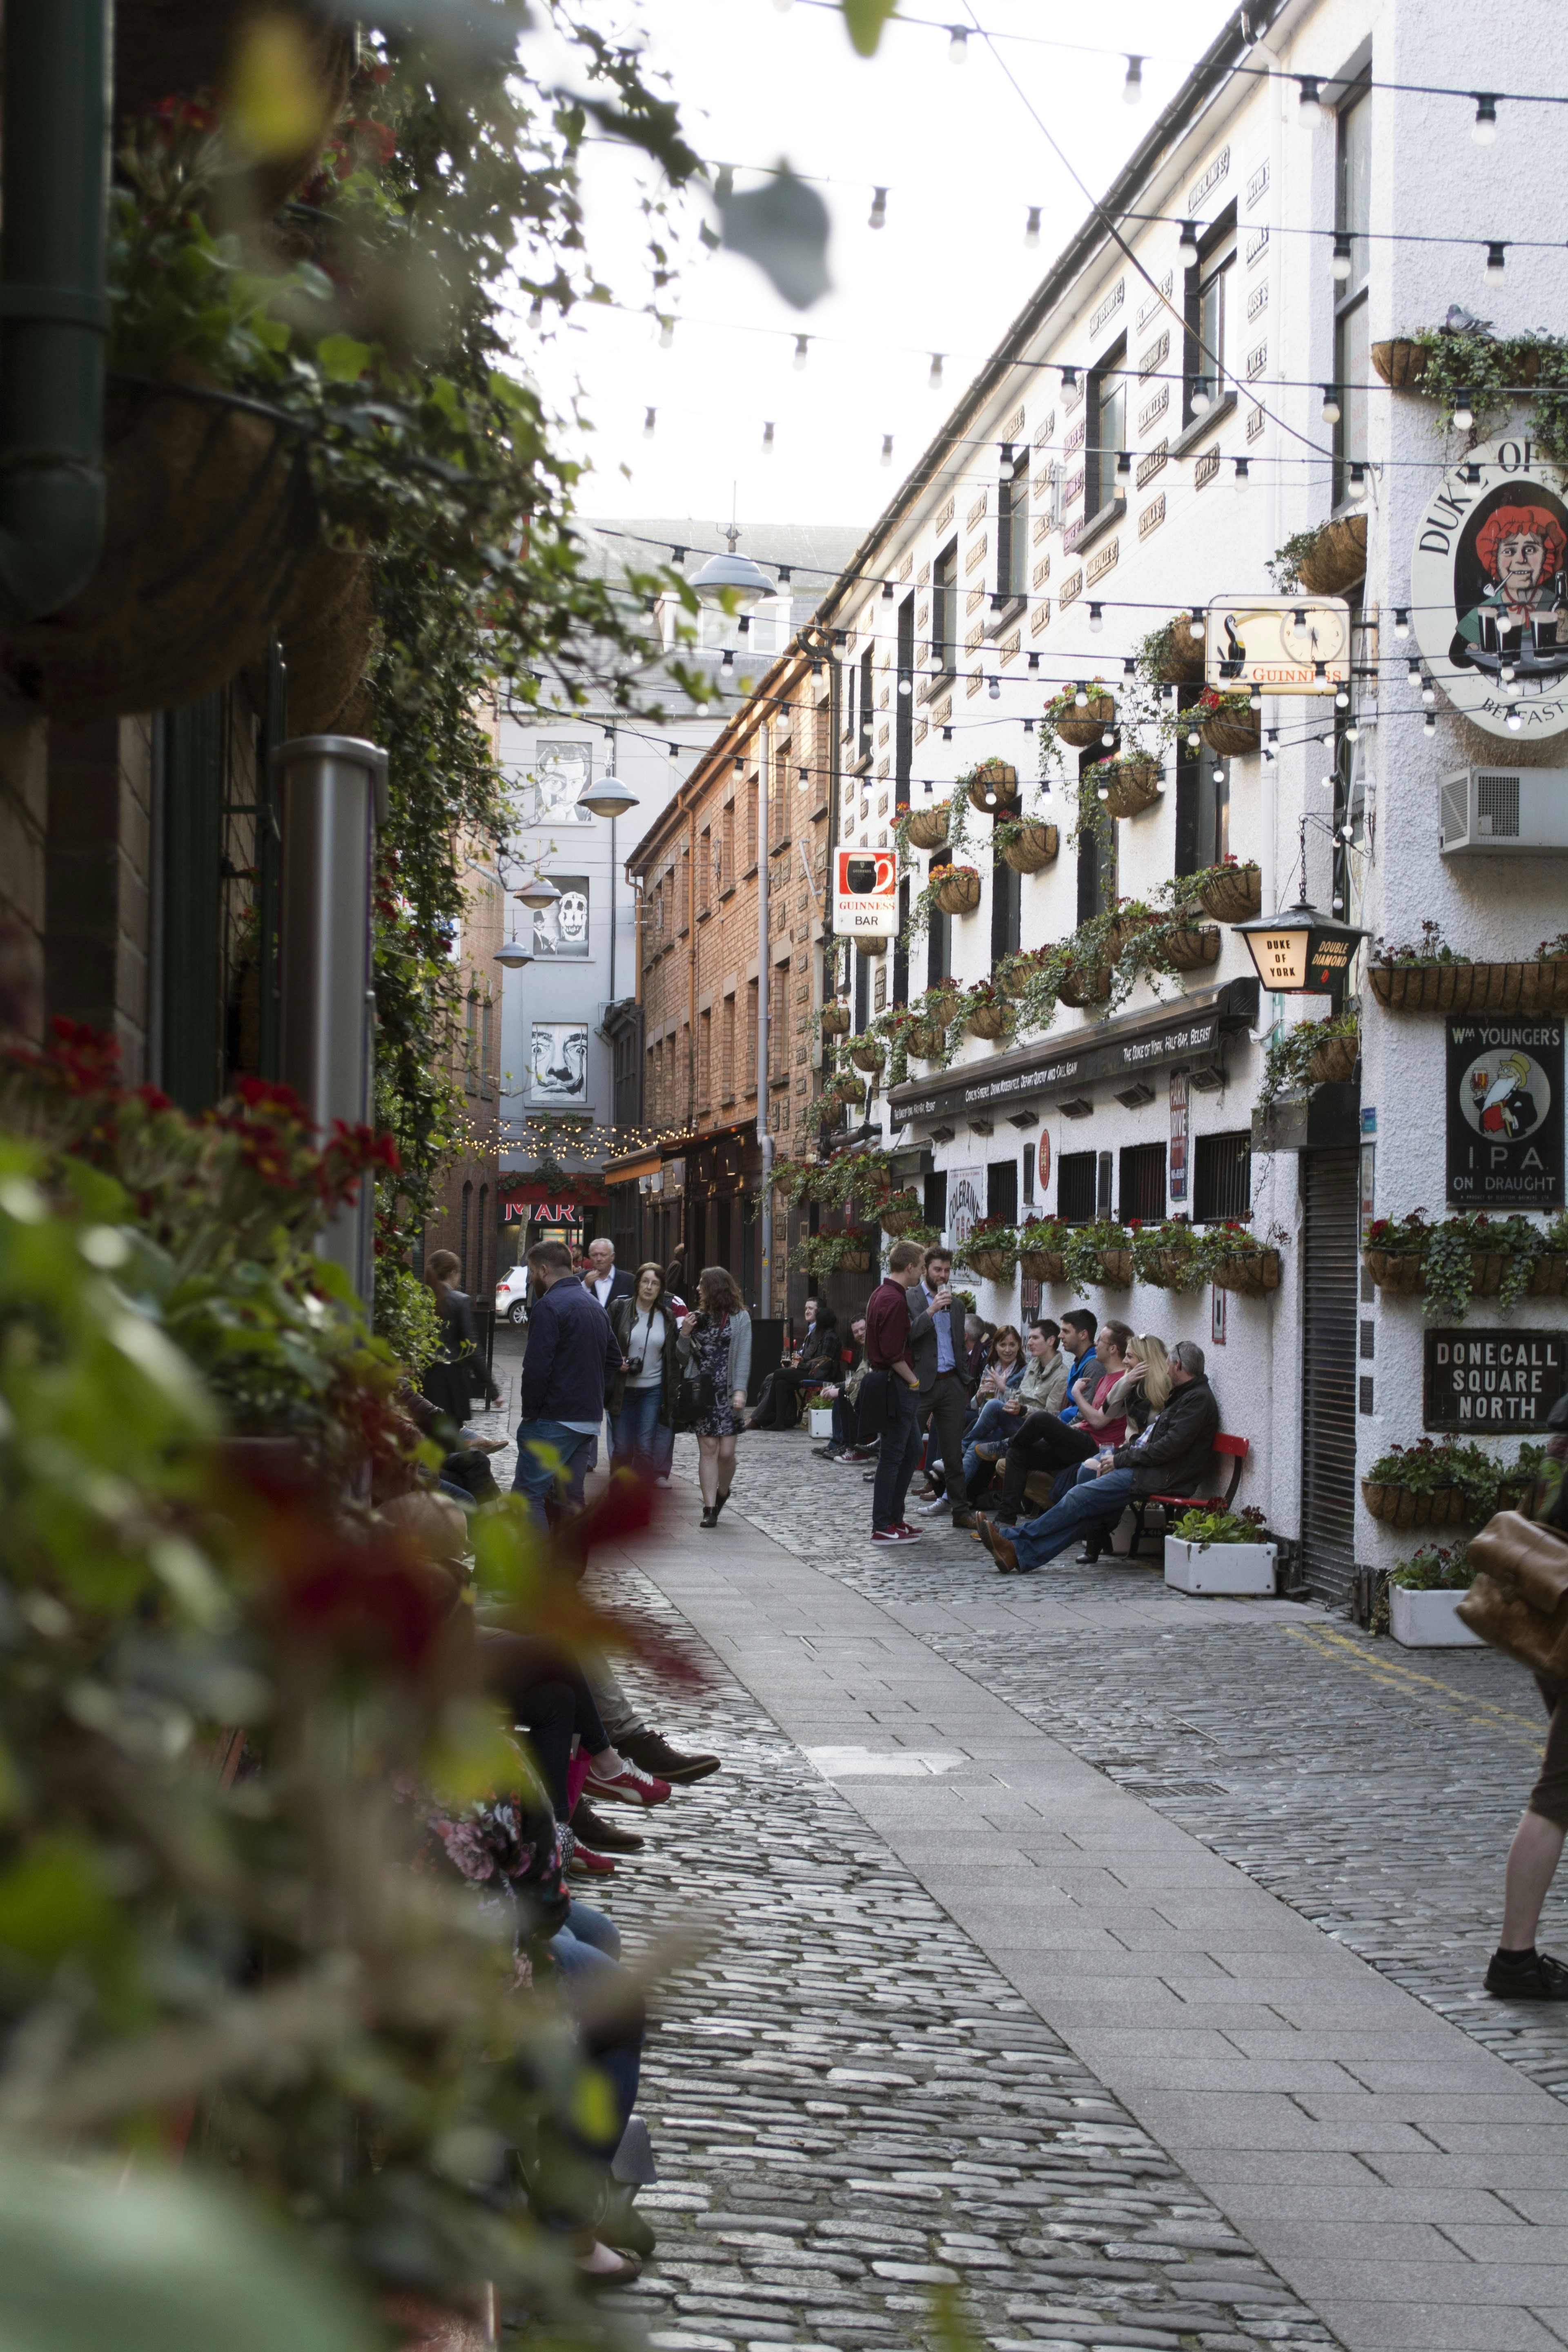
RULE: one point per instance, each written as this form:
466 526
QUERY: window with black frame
945 611
1142 1183
1106 410
904 705
1204 369
1013 534
1352 345
1076 1188
867 699
1222 1178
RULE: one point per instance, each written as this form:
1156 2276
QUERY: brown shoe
996 1544
591 1829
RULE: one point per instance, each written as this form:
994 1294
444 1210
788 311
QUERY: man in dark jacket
941 1360
1170 1458
573 1355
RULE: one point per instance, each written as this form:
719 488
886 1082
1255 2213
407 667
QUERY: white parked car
511 1296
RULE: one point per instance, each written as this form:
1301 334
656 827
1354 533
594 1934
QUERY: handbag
693 1400
1519 1601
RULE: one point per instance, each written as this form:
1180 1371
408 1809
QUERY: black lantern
1300 952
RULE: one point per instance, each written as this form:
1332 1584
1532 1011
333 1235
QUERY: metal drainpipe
54 309
764 1133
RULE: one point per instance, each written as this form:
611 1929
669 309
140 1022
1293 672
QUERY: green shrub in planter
1436 1567
1219 1526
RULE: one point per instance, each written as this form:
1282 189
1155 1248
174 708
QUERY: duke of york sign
1489 590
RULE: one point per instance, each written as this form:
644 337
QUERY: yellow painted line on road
1483 1712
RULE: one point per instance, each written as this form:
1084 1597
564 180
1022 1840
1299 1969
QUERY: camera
633 1365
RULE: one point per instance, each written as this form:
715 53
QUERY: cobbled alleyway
1103 1960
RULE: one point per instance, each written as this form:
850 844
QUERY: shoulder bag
693 1398
1519 1601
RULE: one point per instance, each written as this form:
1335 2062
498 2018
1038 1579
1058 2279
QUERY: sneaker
937 1503
1537 1978
914 1534
627 1786
901 1535
585 1863
652 1753
857 1453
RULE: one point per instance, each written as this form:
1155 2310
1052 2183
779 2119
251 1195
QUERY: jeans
619 1717
585 1952
1043 1443
1099 1502
946 1408
537 1479
548 1696
894 1416
992 1425
632 1430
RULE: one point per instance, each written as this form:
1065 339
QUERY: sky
963 162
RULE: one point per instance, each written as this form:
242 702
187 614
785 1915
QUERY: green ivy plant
1496 373
1483 1478
1287 1064
1083 1247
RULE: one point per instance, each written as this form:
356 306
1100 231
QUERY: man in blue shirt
1042 1443
571 1356
937 1352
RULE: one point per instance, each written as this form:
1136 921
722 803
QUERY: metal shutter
1330 1269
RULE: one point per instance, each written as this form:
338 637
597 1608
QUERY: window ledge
938 685
750 871
777 848
1190 434
727 892
1095 525
704 915
1011 610
862 766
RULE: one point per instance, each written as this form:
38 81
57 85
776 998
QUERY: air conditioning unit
1503 809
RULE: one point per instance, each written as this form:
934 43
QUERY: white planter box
1426 1621
820 1417
1219 1568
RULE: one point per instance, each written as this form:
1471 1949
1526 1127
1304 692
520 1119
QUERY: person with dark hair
572 1356
1168 1458
843 1394
816 1359
445 1381
940 1353
715 1348
641 1398
887 1399
1059 1441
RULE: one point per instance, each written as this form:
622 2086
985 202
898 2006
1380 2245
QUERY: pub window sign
1504 1381
1505 1114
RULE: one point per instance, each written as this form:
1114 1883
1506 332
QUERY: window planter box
1116 1269
1220 1568
1428 1621
1036 848
1393 1269
1548 1276
1472 987
1042 1265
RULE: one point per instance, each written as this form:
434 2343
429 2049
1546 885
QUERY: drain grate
1174 1788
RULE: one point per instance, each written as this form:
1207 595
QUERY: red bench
1237 1448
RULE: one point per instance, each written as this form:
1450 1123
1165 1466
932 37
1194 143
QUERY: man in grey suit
938 1354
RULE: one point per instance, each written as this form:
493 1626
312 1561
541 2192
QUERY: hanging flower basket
900 1217
326 630
990 1021
1042 1265
1251 1271
992 784
1116 1269
835 1020
958 892
1037 846
842 1090
1232 895
1166 1269
1334 1061
1232 734
1404 1507
1487 1270
990 1264
1082 728
210 517
1338 557
1091 986
1014 980
924 1040
866 1054
1182 656
1399 362
1129 785
1192 947
870 948
927 827
1548 1276
1535 987
1398 1270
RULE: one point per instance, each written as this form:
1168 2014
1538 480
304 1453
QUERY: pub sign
1503 1381
1505 1114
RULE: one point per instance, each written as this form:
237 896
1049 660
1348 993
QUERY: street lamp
730 583
513 955
1301 951
607 797
538 891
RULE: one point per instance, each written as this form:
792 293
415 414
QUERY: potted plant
1040 1249
1127 785
1311 1054
1423 1596
925 828
1491 372
842 1253
990 1250
902 1214
1430 976
1211 1549
1169 1255
1549 1274
1431 1485
1100 1254
866 1054
1230 892
992 785
835 1020
957 889
986 1010
1028 846
1239 1261
1461 1257
1227 722
1394 1249
1171 655
1078 723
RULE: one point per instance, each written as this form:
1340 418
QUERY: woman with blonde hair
715 1348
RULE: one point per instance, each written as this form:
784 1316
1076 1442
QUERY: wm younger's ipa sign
1505 1114
1492 1380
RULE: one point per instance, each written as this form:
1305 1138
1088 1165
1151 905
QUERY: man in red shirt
888 1395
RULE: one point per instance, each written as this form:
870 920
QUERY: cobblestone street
1108 1959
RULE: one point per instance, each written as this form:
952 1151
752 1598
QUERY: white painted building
1081 493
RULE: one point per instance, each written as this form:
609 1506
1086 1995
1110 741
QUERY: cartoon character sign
1489 590
1505 1114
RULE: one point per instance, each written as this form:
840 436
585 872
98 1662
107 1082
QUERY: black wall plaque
1505 1114
1502 1381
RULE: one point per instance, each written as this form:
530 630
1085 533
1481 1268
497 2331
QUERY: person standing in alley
888 1398
603 1277
940 1354
572 1356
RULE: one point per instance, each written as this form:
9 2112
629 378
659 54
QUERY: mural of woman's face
1521 562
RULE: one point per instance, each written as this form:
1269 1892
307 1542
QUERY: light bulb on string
947 734
1401 621
1109 739
1032 229
727 661
878 217
767 440
1194 739
1217 772
1132 88
906 684
536 311
1340 266
1483 130
648 424
1200 396
1129 666
1330 409
1187 243
1514 722
1464 412
1429 726
1358 482
1070 380
887 455
1342 697
933 381
995 690
1413 669
1243 474
666 333
1123 462
1255 700
1096 619
802 351
957 46
1271 752
1197 626
1102 792
1428 693
1496 271
1080 698
1309 104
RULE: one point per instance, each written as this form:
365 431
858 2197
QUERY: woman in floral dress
716 1346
